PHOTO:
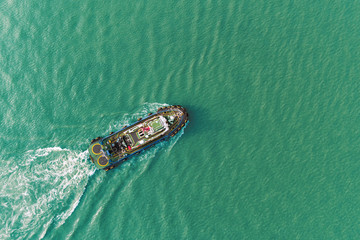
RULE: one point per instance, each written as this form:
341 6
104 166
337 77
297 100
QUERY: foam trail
34 190
45 185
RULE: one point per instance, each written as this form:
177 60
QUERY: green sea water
271 150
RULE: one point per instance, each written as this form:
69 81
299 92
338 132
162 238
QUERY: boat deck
110 151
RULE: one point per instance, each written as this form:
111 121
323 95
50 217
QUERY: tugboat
114 149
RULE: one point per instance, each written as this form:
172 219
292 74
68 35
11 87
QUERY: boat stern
98 156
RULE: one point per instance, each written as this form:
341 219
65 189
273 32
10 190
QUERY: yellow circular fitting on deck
97 147
102 161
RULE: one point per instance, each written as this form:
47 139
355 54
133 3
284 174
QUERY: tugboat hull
112 150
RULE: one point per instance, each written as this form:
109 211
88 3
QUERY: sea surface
272 148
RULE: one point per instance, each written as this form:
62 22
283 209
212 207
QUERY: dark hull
110 151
